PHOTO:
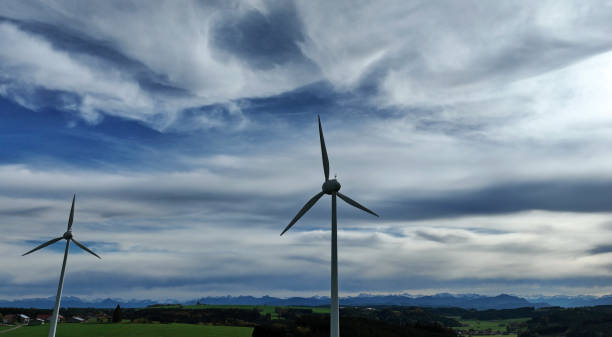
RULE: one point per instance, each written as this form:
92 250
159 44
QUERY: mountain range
466 301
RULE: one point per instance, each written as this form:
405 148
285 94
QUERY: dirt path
11 329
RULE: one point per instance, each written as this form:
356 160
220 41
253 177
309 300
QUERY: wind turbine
331 187
68 237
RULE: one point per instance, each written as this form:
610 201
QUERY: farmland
133 330
246 320
494 326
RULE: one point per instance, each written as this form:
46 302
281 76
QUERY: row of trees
318 326
570 322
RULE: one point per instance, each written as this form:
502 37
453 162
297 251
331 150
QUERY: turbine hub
67 235
331 186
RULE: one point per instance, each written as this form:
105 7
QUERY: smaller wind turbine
68 237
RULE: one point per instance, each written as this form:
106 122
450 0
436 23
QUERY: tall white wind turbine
68 237
331 187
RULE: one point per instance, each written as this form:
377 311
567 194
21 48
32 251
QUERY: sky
480 131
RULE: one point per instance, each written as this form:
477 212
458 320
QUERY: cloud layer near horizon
479 132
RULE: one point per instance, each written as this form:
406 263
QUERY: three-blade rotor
330 187
67 236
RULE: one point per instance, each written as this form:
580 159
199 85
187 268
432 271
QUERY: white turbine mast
331 187
68 237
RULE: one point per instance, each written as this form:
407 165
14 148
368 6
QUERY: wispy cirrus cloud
479 131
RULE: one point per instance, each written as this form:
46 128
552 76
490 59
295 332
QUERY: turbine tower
331 187
68 237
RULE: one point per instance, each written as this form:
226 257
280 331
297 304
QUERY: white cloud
460 57
33 62
478 95
172 42
198 212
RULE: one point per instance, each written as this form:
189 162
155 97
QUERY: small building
36 321
23 319
47 318
76 319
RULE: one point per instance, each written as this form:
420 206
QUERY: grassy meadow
494 325
133 330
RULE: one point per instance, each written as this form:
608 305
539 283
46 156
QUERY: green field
493 325
133 330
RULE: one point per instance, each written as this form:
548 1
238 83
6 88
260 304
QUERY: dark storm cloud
465 284
309 259
532 54
448 238
602 249
184 196
560 195
517 248
320 97
84 283
80 282
108 55
539 52
25 212
491 231
260 39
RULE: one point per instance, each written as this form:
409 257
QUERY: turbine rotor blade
354 203
50 242
323 151
71 214
85 248
304 209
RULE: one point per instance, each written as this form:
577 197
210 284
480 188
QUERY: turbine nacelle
331 186
67 235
